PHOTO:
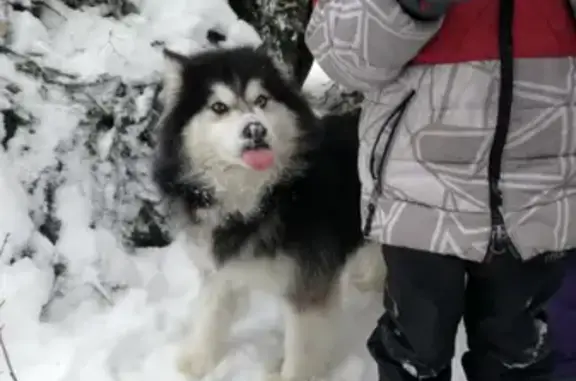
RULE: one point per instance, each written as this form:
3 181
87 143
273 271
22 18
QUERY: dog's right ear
174 64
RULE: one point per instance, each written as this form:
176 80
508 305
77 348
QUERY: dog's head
230 112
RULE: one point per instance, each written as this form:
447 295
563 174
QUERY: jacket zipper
500 240
377 172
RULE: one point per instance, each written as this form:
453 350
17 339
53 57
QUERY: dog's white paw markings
197 363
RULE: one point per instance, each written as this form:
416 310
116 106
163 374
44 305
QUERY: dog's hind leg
216 308
312 326
366 269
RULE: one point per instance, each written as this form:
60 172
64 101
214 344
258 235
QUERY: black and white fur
292 230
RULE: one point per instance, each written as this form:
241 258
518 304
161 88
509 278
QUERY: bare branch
53 9
4 243
5 350
2 344
100 290
7 357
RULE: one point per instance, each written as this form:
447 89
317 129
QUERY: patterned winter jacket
468 134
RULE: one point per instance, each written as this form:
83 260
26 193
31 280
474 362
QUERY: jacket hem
462 234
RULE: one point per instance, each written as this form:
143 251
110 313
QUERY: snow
136 337
117 315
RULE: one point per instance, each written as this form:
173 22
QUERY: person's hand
427 10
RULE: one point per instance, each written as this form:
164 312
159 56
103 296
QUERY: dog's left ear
174 64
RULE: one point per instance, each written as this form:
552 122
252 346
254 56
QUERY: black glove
426 10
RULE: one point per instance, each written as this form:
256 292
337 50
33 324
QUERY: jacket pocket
377 162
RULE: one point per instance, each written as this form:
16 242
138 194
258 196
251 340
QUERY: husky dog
272 192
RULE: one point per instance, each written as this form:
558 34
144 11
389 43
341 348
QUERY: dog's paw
197 363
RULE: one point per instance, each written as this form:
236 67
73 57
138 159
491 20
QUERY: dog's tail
366 270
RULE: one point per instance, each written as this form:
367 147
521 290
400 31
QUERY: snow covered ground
132 333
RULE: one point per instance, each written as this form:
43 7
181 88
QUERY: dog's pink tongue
259 159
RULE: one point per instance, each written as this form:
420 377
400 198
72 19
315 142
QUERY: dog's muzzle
257 153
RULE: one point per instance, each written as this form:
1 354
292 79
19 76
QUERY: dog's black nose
254 131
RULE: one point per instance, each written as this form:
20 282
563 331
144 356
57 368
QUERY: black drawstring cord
399 109
395 117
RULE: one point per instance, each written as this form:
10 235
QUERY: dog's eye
261 101
219 108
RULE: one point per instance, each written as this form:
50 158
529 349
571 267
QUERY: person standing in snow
468 167
562 313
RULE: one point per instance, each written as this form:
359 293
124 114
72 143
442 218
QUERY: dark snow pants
502 302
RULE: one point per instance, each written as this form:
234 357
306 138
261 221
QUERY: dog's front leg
216 305
310 338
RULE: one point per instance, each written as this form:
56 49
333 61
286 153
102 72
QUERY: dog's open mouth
259 157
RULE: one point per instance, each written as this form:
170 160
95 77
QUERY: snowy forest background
79 81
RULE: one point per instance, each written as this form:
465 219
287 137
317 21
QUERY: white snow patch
28 34
15 225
